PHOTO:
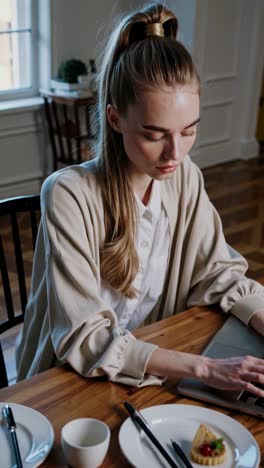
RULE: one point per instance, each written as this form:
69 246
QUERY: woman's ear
113 118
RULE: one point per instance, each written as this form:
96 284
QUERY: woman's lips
167 169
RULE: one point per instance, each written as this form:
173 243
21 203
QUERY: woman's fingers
250 387
237 373
257 368
251 375
249 362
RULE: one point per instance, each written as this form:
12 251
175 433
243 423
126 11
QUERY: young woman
132 234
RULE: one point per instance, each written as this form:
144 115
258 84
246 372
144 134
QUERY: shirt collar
153 207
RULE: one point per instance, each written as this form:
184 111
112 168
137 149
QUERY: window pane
15 61
15 14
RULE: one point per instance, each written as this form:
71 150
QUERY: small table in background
69 126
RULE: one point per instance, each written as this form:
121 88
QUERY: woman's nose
172 150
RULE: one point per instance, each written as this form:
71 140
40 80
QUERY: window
18 46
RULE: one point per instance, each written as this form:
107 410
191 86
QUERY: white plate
34 433
180 423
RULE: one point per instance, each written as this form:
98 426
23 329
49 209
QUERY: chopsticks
181 454
11 426
140 420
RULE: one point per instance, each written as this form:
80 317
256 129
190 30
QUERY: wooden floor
237 191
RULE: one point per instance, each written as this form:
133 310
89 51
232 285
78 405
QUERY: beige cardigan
67 321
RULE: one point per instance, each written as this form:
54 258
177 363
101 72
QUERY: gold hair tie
154 29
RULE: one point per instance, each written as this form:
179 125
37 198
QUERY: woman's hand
236 373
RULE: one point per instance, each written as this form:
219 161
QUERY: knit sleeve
218 271
84 329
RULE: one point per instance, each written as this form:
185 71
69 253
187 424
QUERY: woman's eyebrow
156 128
193 123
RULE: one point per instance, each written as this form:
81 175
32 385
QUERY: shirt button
144 243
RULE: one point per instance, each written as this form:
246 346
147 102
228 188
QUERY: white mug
85 442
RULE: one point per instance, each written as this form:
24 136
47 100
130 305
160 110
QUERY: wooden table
62 395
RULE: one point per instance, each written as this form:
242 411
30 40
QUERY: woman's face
158 131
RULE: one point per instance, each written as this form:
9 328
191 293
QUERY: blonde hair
133 58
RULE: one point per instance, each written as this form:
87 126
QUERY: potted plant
68 75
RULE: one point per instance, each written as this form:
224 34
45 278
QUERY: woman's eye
150 138
189 134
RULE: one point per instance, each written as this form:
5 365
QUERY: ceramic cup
85 442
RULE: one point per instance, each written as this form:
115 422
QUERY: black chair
16 216
69 127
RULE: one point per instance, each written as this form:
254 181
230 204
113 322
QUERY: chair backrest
19 218
69 127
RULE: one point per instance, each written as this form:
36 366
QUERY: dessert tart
207 448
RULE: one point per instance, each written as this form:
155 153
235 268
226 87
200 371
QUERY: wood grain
62 395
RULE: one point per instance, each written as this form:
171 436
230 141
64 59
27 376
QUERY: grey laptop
233 339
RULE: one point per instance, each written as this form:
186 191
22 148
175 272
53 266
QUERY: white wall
78 27
67 29
226 39
228 48
185 10
21 152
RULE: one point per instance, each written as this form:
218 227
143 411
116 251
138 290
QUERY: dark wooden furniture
69 126
62 395
13 260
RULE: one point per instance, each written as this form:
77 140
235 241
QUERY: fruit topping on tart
207 448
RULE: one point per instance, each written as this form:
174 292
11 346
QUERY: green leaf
217 444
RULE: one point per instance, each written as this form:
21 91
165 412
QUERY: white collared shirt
152 244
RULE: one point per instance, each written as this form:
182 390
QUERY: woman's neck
142 186
147 194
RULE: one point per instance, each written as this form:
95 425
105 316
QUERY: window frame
32 91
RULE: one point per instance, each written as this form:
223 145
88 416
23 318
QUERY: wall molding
21 178
224 102
249 149
230 73
252 72
214 141
21 105
216 154
21 185
7 132
228 151
200 35
221 135
224 77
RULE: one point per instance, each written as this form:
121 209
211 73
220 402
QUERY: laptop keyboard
250 398
260 401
